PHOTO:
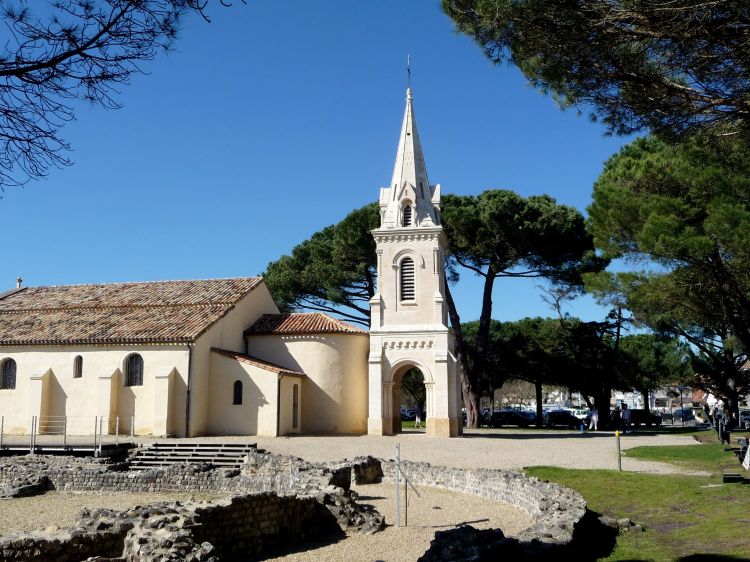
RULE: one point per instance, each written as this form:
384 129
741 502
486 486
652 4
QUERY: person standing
625 418
594 421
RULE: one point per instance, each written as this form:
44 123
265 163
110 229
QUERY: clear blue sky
275 120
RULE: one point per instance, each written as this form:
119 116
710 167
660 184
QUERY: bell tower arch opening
409 314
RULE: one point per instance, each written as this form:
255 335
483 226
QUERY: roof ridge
110 283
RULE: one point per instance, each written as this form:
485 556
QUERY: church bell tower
409 316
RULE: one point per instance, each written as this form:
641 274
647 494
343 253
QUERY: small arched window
407 279
407 215
78 367
8 378
134 370
237 398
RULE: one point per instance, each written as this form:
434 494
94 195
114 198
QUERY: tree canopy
67 49
668 66
333 271
495 234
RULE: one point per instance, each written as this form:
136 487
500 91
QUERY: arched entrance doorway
410 392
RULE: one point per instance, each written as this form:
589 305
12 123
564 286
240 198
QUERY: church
215 357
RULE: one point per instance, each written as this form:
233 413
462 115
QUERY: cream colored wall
84 398
257 413
286 402
334 394
225 334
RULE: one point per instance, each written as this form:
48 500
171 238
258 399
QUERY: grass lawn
683 515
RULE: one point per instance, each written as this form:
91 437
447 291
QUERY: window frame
3 366
129 376
413 298
237 396
78 367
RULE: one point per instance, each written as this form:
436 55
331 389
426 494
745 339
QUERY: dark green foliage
334 271
683 210
667 66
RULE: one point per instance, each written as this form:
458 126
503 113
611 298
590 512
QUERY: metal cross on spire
408 71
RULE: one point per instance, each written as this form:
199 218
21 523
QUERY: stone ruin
272 502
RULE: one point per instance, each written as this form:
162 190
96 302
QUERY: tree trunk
483 335
468 388
539 409
644 392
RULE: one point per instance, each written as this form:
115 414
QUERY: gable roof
255 362
116 313
299 323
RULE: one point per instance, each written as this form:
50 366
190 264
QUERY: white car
580 413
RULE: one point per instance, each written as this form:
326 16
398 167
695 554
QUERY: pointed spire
410 167
410 185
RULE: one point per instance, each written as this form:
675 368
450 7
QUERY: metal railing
407 484
64 432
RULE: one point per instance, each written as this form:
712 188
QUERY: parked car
644 417
744 419
580 413
510 417
683 414
562 417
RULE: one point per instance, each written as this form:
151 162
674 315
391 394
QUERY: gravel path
61 509
507 449
435 510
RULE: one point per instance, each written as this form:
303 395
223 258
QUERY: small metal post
101 434
95 423
117 430
2 428
31 437
406 502
65 433
398 485
619 455
132 427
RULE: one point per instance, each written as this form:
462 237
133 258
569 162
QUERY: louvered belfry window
134 368
407 279
8 381
407 215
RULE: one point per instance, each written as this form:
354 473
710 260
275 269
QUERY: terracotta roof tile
150 312
250 360
297 323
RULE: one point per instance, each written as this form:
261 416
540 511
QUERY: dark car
644 417
509 417
562 417
683 414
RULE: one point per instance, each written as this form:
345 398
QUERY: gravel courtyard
508 449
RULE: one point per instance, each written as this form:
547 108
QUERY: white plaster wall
334 394
82 399
225 334
257 413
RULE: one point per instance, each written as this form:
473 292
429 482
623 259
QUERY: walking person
625 418
594 421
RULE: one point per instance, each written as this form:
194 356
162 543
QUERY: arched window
407 215
78 367
8 379
237 393
407 279
134 370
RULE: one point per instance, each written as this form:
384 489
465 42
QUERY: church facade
215 357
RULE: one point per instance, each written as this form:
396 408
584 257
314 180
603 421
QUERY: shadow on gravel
593 540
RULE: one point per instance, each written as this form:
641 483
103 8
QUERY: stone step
218 454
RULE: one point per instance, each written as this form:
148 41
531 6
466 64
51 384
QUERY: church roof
118 313
260 363
299 323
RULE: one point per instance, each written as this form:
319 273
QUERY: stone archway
394 387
